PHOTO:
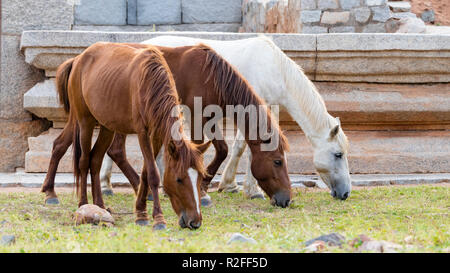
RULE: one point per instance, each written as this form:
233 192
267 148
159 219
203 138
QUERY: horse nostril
345 196
333 193
194 225
286 203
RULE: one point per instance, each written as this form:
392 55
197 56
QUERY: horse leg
228 183
251 189
105 176
117 152
86 132
150 177
158 153
60 146
104 139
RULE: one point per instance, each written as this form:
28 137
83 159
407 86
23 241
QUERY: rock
379 246
332 239
310 16
309 184
314 29
211 11
92 214
308 4
399 6
8 240
158 12
328 4
411 25
362 14
342 29
428 16
375 28
348 4
101 12
381 14
237 237
375 2
358 241
274 16
331 18
316 246
400 15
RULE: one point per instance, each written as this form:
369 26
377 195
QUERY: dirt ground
441 9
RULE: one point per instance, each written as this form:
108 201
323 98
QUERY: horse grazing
130 91
280 81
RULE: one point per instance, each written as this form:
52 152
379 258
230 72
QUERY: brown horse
200 72
130 91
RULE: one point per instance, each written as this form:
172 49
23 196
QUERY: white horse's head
330 161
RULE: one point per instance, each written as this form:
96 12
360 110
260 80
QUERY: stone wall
315 16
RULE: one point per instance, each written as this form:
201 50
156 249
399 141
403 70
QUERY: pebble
237 237
8 240
93 214
332 239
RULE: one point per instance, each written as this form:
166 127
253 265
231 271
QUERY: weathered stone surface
158 12
375 2
132 12
375 28
348 4
428 16
399 6
332 239
223 27
379 246
381 14
13 141
331 18
237 237
101 12
92 214
328 4
411 25
17 77
400 15
308 4
271 16
19 15
362 14
212 11
342 29
310 16
314 29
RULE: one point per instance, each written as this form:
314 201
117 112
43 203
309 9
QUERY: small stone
342 29
332 239
331 18
237 237
310 16
316 246
362 14
376 2
381 14
92 214
328 4
399 6
379 246
411 25
374 28
314 30
8 240
428 16
308 4
400 15
348 4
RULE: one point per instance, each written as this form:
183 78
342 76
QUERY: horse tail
62 79
76 153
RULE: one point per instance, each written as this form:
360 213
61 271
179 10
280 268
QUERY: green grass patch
419 213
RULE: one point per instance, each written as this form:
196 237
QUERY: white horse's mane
306 94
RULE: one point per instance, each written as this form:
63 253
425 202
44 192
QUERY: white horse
279 81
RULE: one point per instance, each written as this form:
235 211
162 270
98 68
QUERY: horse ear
334 131
203 147
172 149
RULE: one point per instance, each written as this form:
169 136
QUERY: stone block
16 78
349 4
399 6
401 15
328 4
381 14
132 12
212 11
428 16
331 18
310 16
342 29
158 12
314 29
223 27
101 12
308 4
376 2
362 14
19 15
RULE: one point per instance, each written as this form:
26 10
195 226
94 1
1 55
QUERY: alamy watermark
252 122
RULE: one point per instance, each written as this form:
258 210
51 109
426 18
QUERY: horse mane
232 88
160 98
305 92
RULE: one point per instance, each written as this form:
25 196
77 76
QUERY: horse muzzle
281 199
184 222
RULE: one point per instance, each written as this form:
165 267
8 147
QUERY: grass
419 213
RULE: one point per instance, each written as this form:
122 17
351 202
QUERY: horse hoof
108 192
52 201
258 196
142 222
160 226
150 197
206 201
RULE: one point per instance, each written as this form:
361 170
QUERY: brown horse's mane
159 96
232 88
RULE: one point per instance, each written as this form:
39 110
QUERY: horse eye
277 162
179 180
338 155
